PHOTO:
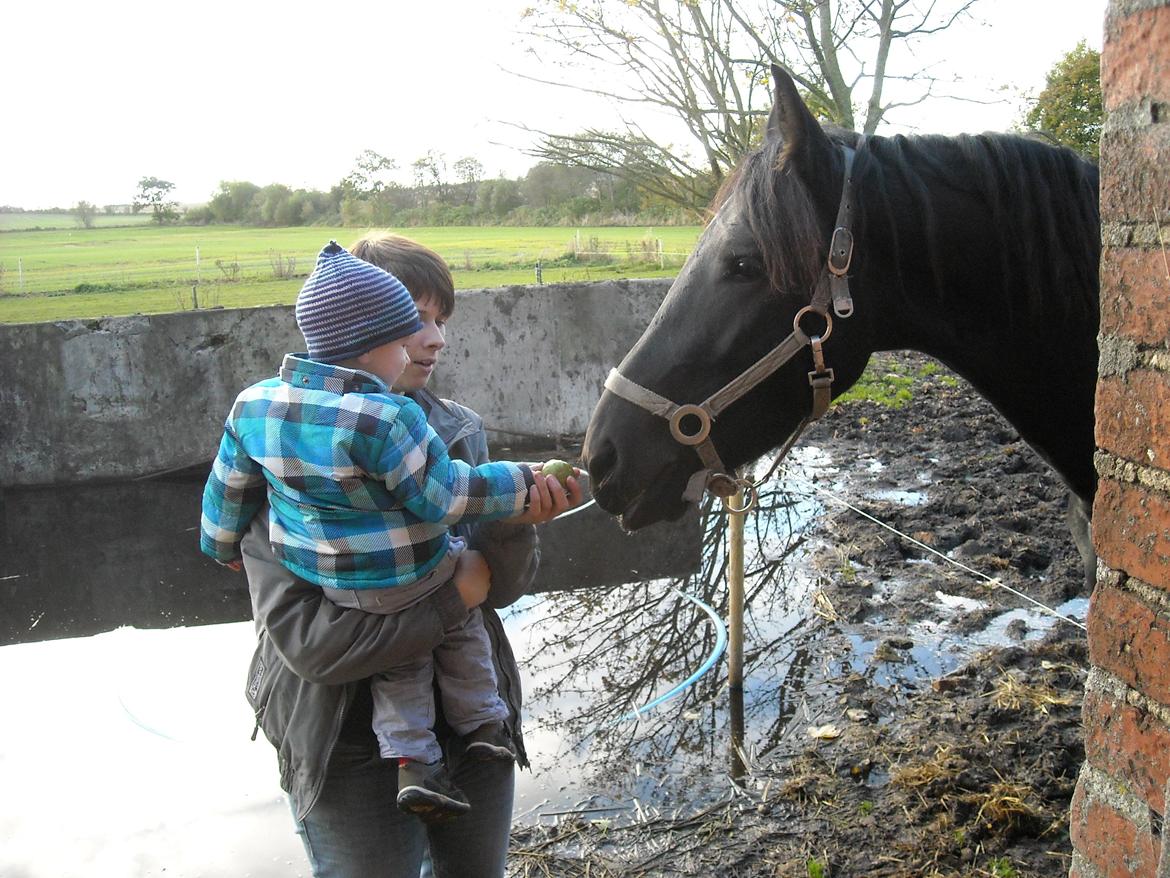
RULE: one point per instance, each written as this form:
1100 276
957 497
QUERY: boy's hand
473 578
547 499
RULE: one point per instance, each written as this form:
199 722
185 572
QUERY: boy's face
386 361
423 348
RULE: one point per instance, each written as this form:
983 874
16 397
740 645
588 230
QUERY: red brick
1135 294
1131 641
1133 417
1130 71
1111 842
1131 531
1128 743
1135 173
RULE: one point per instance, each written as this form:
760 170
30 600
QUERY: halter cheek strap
840 258
690 424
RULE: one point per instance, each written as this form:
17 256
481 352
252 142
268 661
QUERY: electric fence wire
721 629
789 476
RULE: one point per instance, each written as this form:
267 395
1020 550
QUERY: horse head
747 286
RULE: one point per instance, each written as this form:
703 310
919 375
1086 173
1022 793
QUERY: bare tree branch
705 64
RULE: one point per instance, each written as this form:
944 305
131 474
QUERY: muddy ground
896 769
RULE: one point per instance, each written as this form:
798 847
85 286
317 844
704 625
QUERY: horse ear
790 121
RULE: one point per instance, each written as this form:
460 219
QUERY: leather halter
832 285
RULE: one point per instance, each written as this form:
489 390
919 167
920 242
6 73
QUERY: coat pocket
264 673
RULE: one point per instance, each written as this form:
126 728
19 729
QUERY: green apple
559 469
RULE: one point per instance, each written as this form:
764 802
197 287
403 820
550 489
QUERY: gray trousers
404 703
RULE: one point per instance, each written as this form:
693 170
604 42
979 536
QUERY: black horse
980 251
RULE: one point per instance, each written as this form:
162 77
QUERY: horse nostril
600 461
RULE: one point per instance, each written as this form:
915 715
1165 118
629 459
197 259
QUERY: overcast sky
102 94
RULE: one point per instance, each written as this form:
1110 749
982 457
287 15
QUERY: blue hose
720 646
720 643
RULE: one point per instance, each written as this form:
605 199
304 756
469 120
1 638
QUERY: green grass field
84 273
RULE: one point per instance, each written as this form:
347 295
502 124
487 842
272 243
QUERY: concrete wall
1119 813
123 397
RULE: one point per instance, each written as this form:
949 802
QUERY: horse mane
1038 204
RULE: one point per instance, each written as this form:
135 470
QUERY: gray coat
312 656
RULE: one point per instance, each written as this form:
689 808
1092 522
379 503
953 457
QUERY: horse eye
745 267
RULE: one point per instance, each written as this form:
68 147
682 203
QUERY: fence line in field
279 266
32 279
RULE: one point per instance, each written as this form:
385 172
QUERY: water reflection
589 657
83 559
77 560
596 655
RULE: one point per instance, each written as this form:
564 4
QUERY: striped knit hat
348 307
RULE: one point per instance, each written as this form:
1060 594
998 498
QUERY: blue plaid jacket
361 489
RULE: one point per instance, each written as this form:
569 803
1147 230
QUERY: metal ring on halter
688 410
751 497
801 335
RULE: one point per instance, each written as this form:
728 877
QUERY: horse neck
958 292
1043 384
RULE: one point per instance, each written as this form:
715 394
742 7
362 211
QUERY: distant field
86 273
59 220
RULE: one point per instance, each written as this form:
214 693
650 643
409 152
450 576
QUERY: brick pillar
1120 804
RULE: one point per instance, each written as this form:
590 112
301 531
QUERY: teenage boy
361 494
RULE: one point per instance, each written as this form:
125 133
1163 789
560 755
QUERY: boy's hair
419 267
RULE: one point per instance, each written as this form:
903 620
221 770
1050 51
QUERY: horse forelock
779 212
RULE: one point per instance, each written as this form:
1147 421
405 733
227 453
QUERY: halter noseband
832 285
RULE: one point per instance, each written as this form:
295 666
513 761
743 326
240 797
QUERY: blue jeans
355 829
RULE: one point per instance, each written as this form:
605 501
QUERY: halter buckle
840 251
818 378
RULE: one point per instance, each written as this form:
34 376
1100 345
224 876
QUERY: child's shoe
427 792
490 743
